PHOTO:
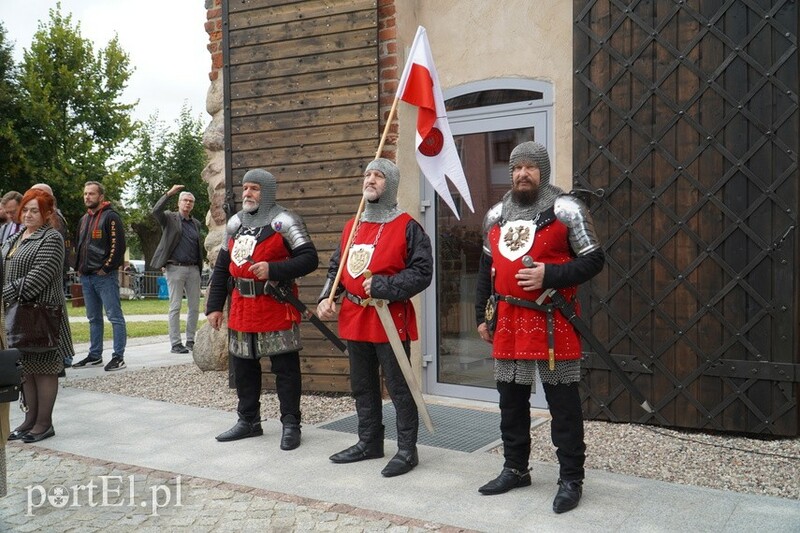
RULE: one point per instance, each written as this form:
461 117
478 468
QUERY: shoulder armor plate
576 217
492 217
233 225
292 228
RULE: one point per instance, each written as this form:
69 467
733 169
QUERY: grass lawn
80 331
149 306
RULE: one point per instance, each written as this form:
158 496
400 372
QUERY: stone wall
210 351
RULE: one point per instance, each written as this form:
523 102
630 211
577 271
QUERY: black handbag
10 375
33 326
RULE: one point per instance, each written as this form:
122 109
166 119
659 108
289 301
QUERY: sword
568 310
283 292
382 308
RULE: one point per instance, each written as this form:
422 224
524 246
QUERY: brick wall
389 70
214 31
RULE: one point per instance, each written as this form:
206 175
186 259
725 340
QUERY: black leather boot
509 478
290 439
359 452
568 495
241 430
402 463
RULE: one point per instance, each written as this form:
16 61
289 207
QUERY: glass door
458 362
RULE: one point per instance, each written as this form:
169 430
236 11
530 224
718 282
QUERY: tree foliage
12 156
76 129
166 157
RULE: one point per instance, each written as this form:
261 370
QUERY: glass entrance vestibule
488 120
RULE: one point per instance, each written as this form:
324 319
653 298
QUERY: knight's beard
525 198
371 195
250 207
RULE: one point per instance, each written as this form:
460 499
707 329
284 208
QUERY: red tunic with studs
361 323
521 333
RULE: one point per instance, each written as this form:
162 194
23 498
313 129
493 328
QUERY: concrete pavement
162 469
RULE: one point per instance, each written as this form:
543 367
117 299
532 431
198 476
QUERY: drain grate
464 430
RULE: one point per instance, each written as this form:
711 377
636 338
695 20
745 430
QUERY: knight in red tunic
536 239
393 248
266 244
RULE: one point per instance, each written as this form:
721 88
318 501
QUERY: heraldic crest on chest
359 258
516 238
242 251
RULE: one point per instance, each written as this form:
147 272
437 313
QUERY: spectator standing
100 253
32 262
5 414
10 202
60 224
180 253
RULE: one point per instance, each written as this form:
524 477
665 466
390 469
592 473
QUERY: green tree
76 127
166 157
12 156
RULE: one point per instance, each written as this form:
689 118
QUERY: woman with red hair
33 261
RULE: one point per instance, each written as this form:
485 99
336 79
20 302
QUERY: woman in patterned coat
5 424
33 261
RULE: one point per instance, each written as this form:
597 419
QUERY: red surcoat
521 333
361 324
262 313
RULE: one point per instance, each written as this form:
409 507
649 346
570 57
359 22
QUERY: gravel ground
756 466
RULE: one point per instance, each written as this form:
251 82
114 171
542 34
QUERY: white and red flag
436 151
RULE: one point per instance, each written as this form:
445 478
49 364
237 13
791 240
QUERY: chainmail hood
267 209
384 209
535 153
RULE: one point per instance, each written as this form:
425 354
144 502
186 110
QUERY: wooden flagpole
346 250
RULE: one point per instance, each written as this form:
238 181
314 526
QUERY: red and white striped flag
437 156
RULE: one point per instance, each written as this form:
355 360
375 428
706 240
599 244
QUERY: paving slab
252 484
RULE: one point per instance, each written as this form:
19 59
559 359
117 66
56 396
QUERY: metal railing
133 285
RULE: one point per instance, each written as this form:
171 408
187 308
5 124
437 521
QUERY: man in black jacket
180 254
100 253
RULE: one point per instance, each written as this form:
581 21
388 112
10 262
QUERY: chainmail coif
384 209
536 153
267 208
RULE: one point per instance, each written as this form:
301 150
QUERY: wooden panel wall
302 101
686 113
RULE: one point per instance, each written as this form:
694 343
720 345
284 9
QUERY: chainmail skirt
523 371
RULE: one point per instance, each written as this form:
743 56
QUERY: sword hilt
367 274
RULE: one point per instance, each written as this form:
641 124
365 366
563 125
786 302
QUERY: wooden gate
686 114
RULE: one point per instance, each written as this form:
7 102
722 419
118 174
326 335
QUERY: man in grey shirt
180 253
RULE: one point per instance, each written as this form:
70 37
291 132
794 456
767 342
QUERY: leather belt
181 264
248 287
356 299
521 302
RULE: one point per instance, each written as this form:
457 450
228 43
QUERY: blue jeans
103 292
